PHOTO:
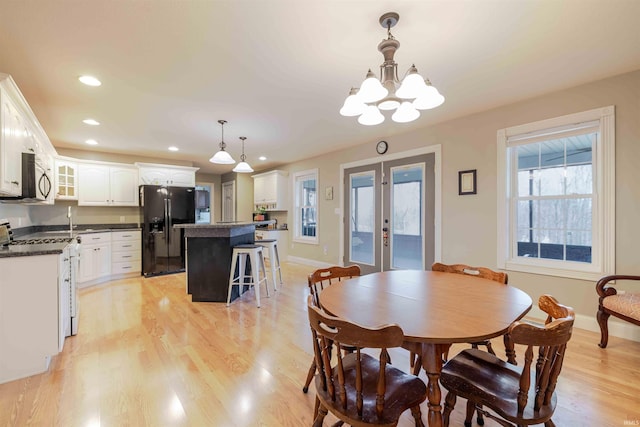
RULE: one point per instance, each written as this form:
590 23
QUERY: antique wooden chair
518 395
623 305
483 272
317 281
357 388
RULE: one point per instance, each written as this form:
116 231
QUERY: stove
43 241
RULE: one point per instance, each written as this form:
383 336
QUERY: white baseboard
617 328
306 261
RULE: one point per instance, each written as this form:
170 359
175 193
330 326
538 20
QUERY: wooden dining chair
483 272
519 395
359 389
317 281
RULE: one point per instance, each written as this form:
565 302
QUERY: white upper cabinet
156 174
66 179
270 190
10 147
20 132
104 184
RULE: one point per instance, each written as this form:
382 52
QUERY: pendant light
222 157
243 166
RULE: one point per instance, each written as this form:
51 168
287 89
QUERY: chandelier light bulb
371 116
412 85
429 98
352 106
371 90
405 113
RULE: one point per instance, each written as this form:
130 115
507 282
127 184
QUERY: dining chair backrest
483 272
520 395
551 341
355 386
323 277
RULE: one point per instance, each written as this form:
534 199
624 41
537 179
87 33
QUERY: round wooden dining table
434 310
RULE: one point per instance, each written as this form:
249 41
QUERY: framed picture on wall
467 182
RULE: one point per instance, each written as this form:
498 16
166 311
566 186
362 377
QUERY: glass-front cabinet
66 179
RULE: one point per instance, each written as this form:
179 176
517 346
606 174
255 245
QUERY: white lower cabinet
29 315
125 252
95 258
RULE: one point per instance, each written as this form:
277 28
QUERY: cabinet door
153 176
102 260
258 189
180 178
87 262
93 185
10 148
66 177
123 186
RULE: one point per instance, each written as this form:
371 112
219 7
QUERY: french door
389 214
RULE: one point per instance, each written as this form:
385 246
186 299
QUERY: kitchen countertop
52 232
221 229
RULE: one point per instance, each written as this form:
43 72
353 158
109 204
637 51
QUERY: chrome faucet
70 221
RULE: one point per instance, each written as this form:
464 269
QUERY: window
556 204
306 206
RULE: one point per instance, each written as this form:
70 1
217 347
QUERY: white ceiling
278 71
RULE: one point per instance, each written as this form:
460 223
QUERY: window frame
603 221
298 178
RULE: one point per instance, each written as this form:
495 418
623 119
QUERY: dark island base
208 266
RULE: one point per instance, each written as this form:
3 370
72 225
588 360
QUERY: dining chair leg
417 416
549 423
471 408
449 404
310 375
417 365
322 412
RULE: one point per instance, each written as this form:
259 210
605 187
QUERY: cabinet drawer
125 245
94 238
125 256
125 267
125 235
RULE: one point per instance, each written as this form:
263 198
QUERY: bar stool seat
252 254
274 259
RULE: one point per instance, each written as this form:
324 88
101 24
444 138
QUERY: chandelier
243 166
388 93
222 157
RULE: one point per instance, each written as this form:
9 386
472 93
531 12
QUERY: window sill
305 241
588 272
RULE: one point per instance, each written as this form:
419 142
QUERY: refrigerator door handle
170 222
166 219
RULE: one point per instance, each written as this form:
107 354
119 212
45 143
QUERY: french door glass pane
362 218
406 224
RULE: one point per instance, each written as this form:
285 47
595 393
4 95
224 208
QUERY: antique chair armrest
605 291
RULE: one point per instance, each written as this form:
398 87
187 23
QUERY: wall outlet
121 218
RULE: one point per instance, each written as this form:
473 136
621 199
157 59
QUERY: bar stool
256 259
274 258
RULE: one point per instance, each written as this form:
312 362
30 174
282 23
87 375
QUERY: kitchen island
208 257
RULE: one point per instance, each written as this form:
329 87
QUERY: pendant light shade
353 105
222 157
243 166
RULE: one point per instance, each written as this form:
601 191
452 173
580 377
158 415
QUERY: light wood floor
146 355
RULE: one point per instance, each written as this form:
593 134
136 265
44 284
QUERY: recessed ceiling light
91 122
172 148
90 80
263 158
91 142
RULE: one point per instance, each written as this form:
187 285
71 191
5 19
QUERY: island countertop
221 229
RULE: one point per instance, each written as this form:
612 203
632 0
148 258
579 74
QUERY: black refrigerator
163 247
